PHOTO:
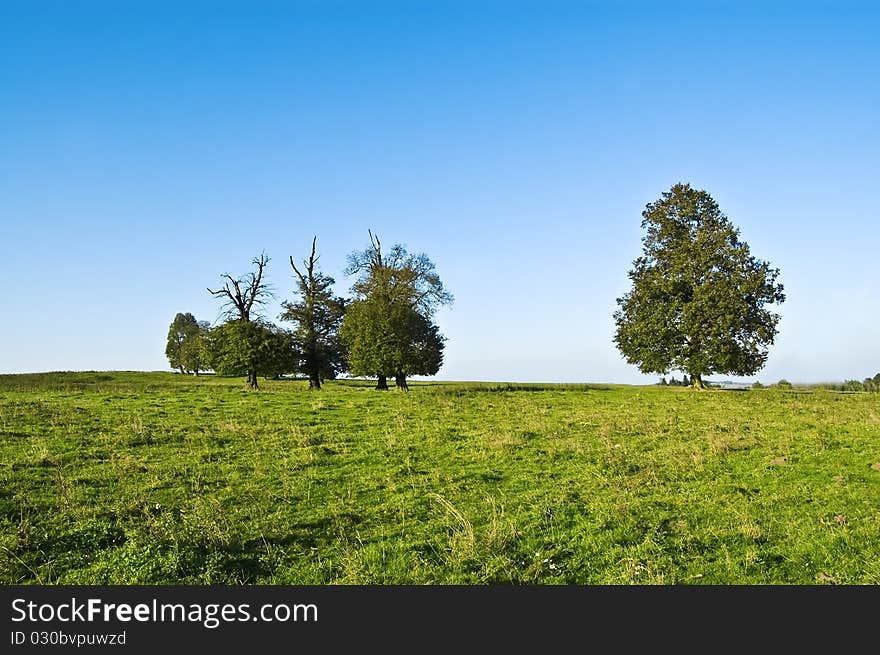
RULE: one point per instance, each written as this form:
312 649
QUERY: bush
758 385
783 384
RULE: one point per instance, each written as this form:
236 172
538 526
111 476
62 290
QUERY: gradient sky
145 148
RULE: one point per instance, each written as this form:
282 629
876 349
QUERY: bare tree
242 296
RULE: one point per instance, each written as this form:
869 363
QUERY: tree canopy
698 301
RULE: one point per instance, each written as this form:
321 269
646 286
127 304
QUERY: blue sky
145 148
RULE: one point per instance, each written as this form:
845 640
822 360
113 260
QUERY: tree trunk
196 372
697 382
314 381
400 380
382 383
252 379
181 369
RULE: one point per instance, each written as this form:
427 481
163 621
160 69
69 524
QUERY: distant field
158 478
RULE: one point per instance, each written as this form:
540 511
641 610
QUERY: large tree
387 329
699 299
316 315
185 348
242 297
390 340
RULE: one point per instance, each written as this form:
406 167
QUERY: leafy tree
394 339
387 329
185 346
317 315
698 298
238 347
194 352
242 297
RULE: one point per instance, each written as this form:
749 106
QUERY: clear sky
147 147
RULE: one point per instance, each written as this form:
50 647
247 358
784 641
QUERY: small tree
185 348
316 315
194 352
181 327
698 298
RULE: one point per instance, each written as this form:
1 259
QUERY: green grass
153 478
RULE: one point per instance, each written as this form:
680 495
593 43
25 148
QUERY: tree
387 329
194 353
242 297
699 299
240 347
186 341
388 340
317 315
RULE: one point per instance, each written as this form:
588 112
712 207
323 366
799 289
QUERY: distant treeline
868 384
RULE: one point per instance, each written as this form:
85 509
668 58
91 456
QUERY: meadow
155 478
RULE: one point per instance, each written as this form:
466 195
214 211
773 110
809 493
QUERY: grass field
158 478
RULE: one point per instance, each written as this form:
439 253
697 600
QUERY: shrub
783 384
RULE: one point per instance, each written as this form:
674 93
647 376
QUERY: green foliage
868 384
397 277
367 334
237 347
698 298
316 315
246 344
783 384
390 339
387 329
186 348
758 385
146 478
